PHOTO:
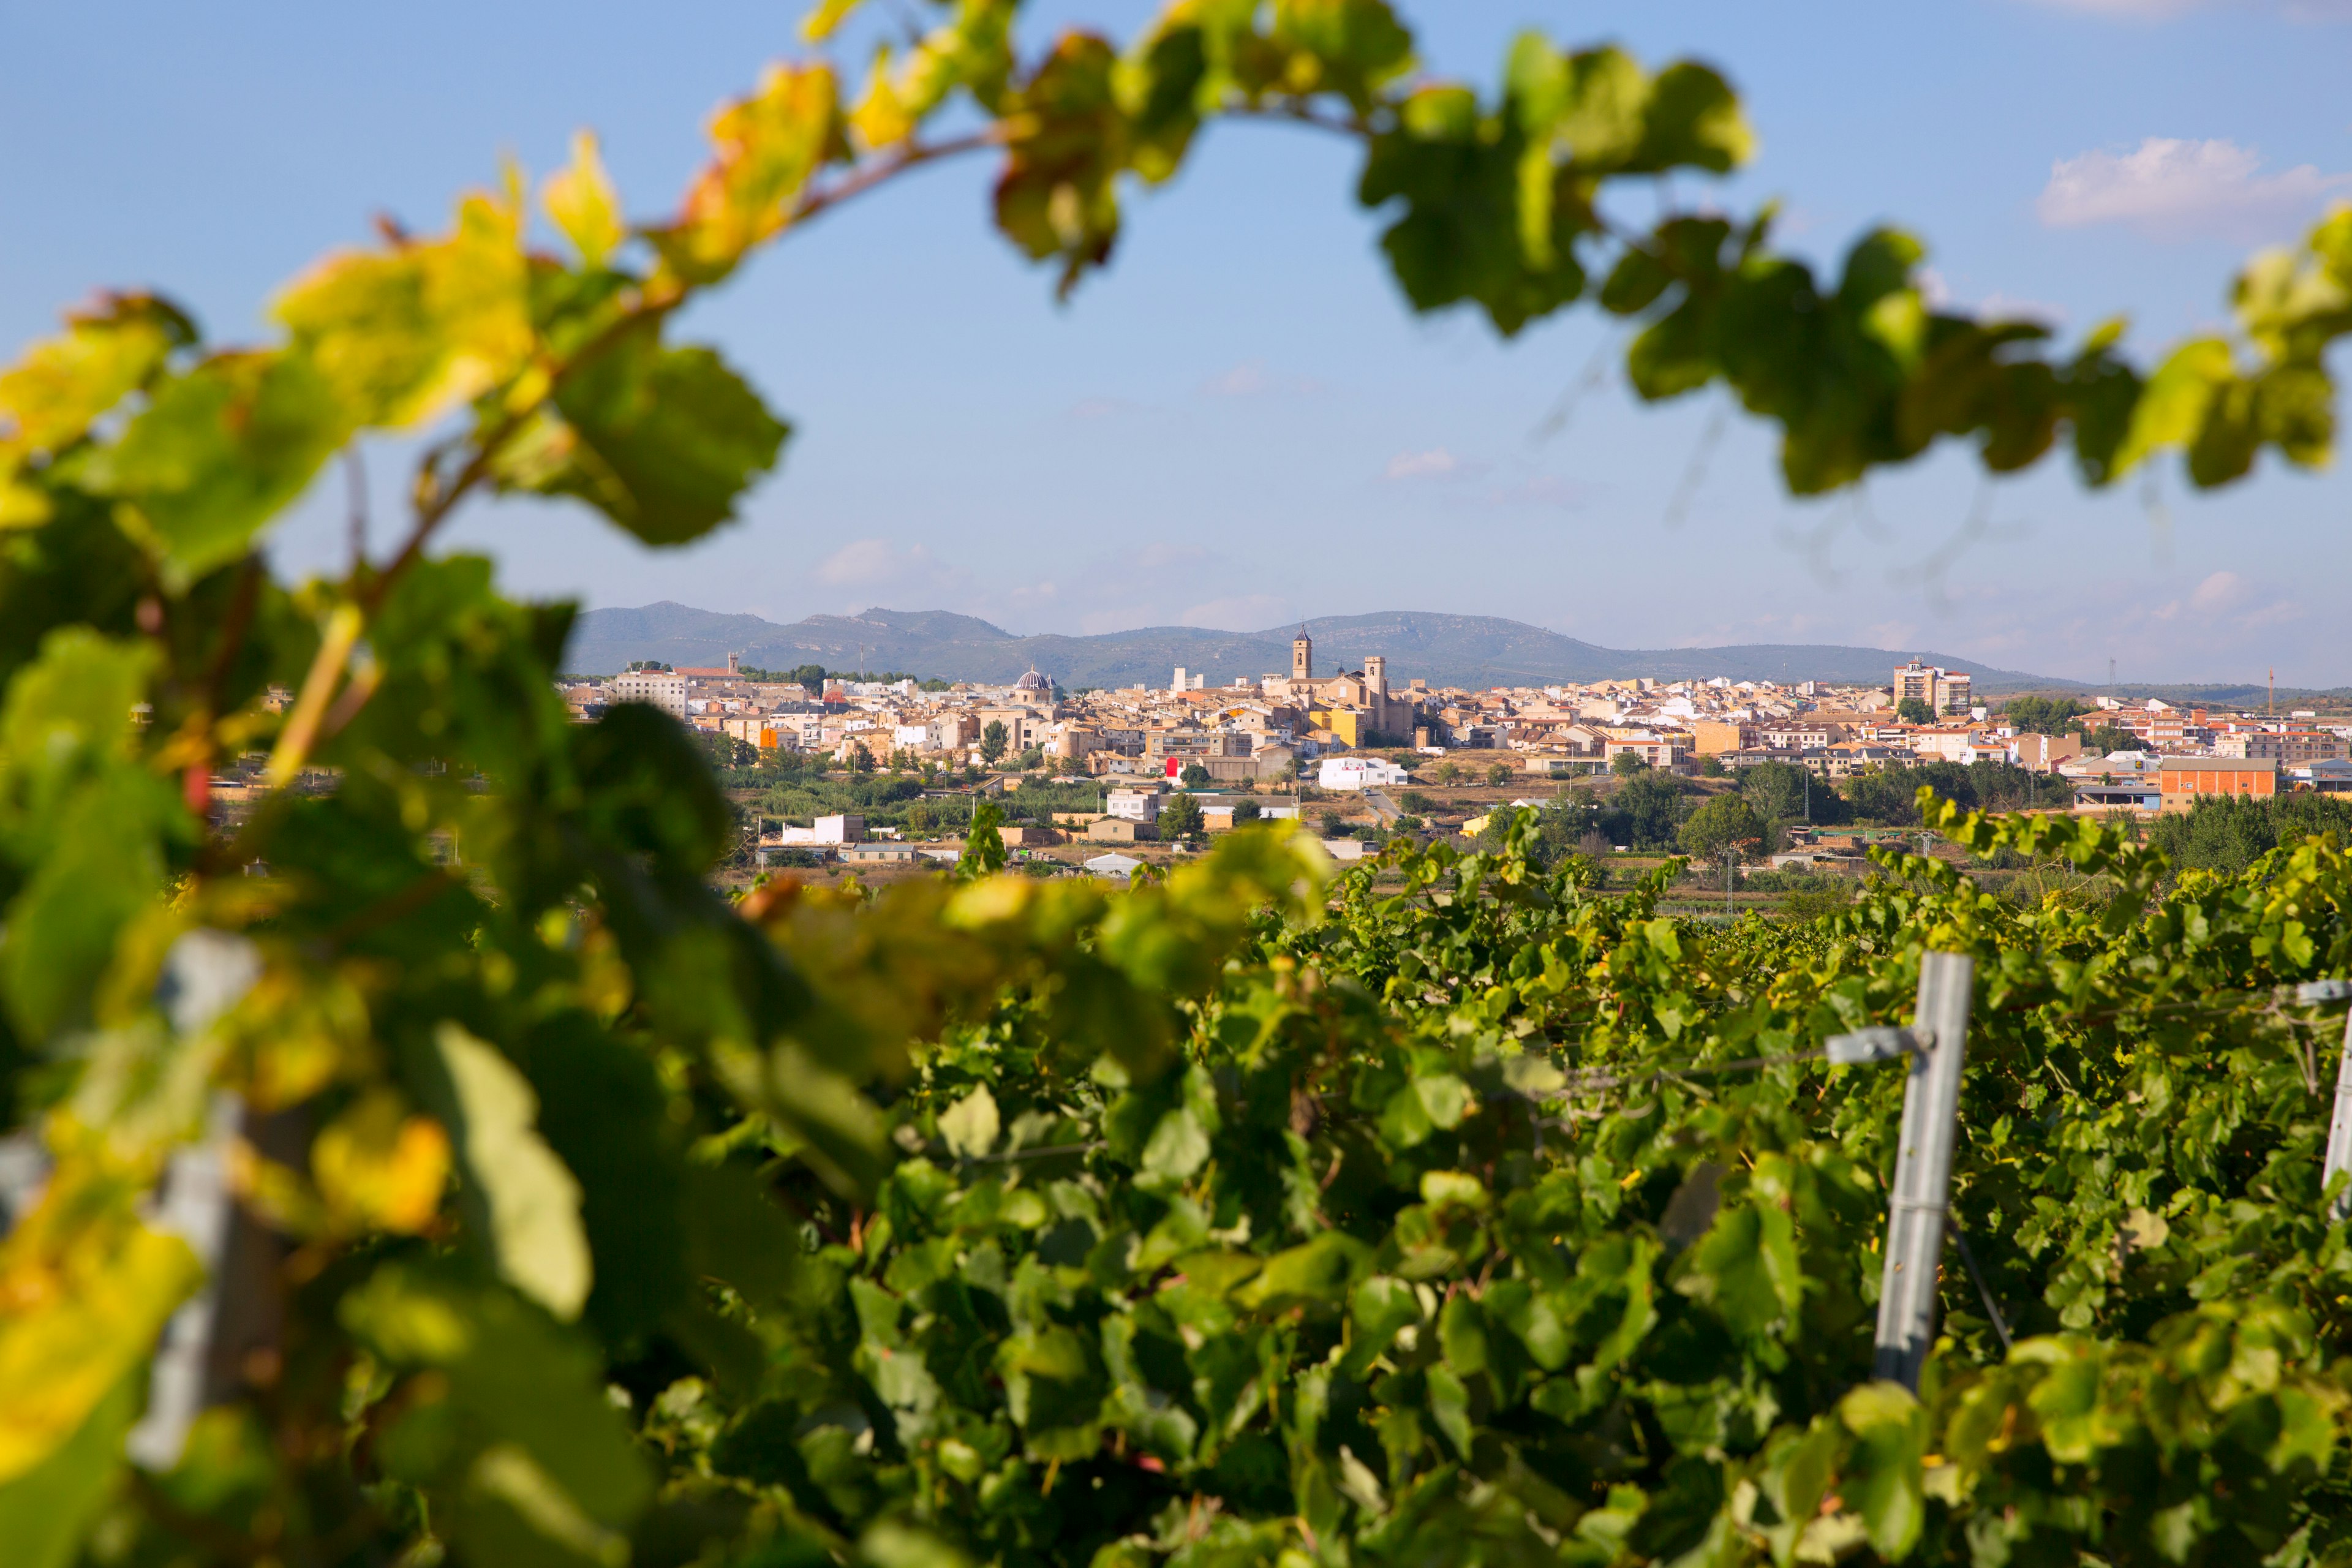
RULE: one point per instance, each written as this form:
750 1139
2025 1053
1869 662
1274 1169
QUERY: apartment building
1941 690
2288 746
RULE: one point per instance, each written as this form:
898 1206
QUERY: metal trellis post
1923 1169
2339 1131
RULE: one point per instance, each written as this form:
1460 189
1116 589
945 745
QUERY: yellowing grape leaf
583 204
768 146
379 1167
84 1291
49 397
402 334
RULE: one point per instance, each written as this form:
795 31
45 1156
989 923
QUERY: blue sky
1240 423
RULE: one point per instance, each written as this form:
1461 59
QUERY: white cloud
1250 379
2168 188
1937 290
1437 463
2222 591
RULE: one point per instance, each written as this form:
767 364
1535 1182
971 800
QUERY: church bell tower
1302 656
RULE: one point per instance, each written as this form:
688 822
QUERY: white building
662 689
828 830
1135 805
1359 772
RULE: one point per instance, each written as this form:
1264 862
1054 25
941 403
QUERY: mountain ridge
1471 651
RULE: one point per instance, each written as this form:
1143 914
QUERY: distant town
1312 731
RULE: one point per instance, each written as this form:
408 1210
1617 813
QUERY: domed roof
1032 681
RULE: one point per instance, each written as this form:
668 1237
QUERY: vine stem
313 720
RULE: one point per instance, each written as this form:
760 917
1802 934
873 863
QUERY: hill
1444 650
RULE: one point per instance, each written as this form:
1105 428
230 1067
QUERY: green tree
1780 791
1180 818
1646 811
1498 775
1723 824
994 740
2106 738
2043 715
1246 810
1915 710
2229 834
983 846
1195 776
1628 765
1882 796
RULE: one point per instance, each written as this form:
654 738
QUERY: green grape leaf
1057 196
1348 46
2172 407
1317 1273
217 455
526 1459
90 826
522 1203
664 441
970 1125
46 1511
1881 1477
600 1109
1693 120
1746 1268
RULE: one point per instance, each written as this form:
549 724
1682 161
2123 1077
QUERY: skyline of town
1307 731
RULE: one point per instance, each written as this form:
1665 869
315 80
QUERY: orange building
2186 778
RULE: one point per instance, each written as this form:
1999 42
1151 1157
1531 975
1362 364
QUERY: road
1386 810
